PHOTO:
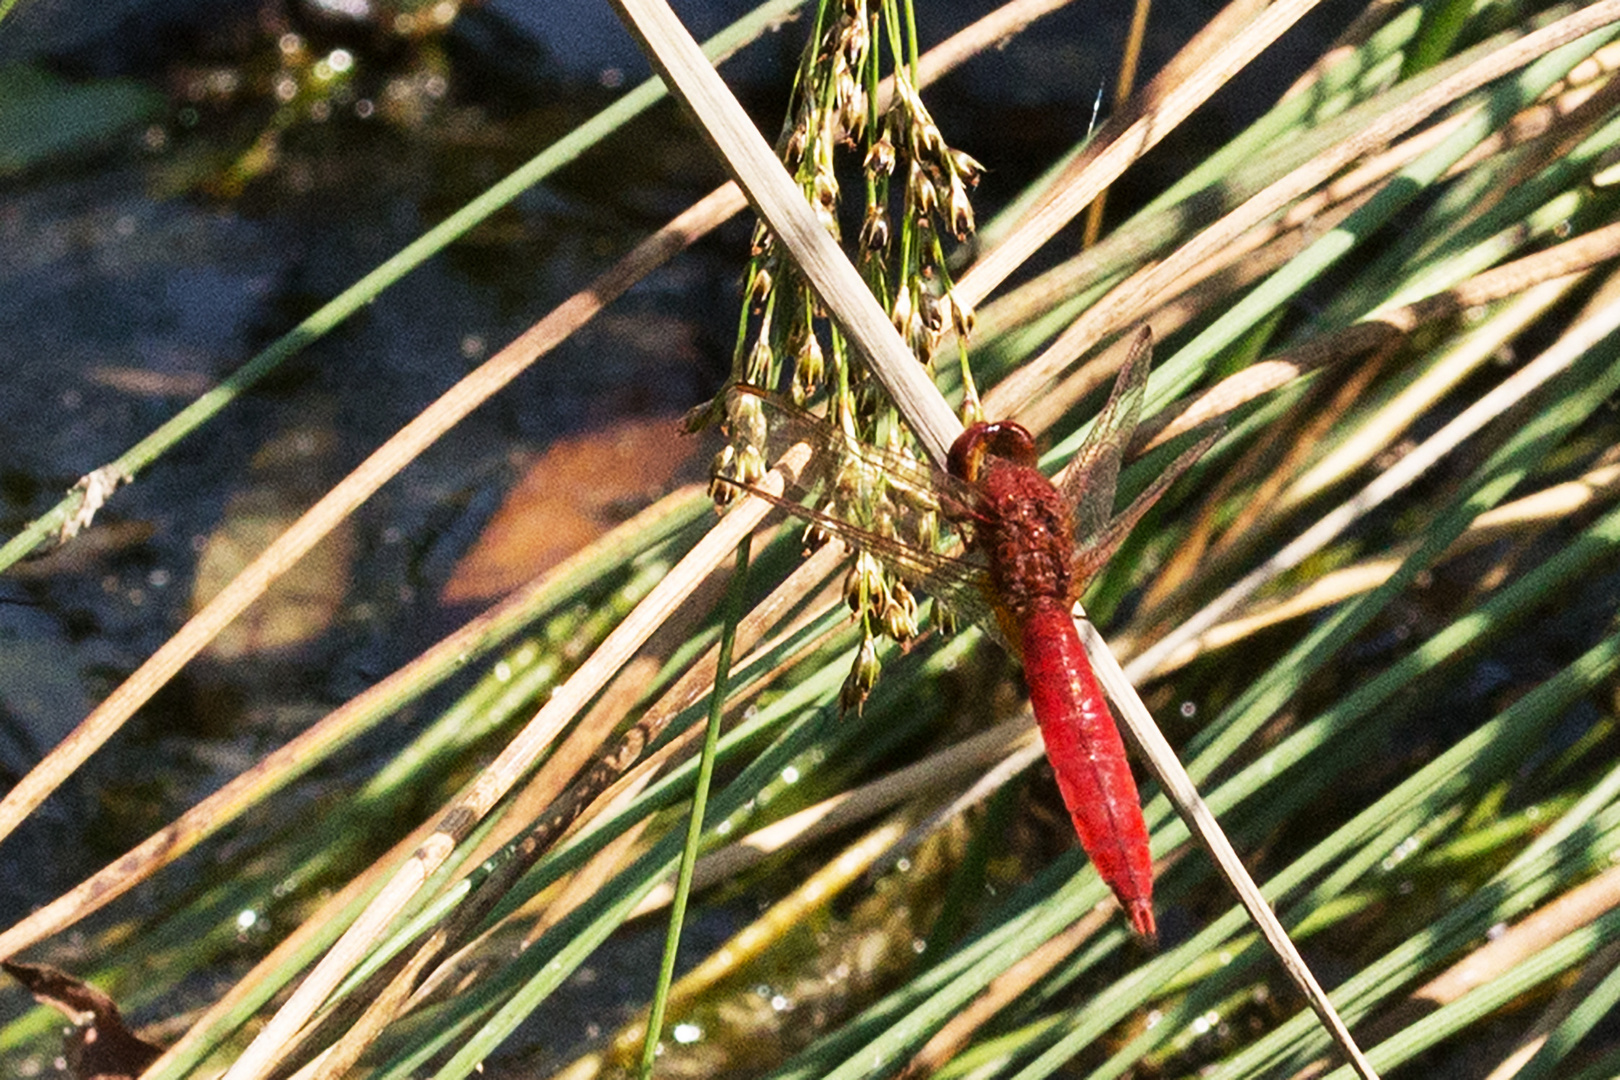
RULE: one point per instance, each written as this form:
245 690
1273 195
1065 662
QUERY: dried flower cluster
783 332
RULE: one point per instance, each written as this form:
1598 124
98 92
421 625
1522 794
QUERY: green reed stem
735 603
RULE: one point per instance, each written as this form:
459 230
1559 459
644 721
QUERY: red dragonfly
1031 548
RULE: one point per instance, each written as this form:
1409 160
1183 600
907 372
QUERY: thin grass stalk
779 201
700 798
1124 84
1224 47
504 1001
1457 1016
1545 703
344 724
493 784
1514 890
1584 336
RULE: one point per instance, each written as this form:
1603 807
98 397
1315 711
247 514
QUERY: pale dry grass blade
1017 980
1161 758
1531 514
847 808
1549 269
191 828
1603 318
1137 297
1222 47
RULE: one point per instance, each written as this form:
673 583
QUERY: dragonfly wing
1094 472
959 580
1095 552
915 480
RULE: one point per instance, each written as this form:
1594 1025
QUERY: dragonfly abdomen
1088 757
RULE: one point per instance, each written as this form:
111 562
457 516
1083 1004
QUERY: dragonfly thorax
1026 536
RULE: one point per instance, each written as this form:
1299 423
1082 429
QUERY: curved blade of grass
496 781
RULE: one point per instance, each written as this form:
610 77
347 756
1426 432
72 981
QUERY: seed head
966 167
760 357
863 675
760 287
809 365
721 489
863 585
747 421
875 229
900 613
960 209
900 314
880 158
924 199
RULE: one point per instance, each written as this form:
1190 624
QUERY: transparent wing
1095 551
958 578
1094 473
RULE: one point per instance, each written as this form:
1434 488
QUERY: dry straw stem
499 777
1226 44
1006 988
778 200
1138 296
1535 932
1535 512
773 194
552 815
337 727
106 719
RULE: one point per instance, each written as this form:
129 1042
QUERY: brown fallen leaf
99 1047
579 488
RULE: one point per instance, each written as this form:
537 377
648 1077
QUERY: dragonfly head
994 438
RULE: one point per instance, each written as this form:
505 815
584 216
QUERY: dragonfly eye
1010 440
967 452
994 438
